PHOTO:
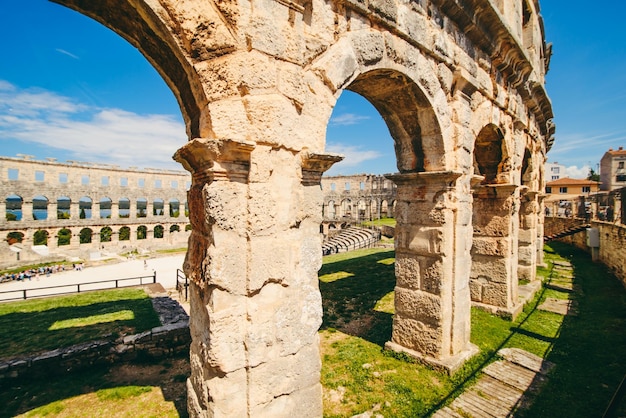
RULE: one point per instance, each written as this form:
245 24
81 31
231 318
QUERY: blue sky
72 89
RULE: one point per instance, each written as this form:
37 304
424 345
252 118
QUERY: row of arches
65 236
360 210
16 209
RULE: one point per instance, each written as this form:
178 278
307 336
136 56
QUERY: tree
593 176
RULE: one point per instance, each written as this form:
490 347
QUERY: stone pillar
540 228
432 301
527 243
493 279
27 211
74 210
115 210
253 258
53 239
52 211
3 211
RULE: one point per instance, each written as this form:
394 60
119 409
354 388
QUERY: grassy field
359 376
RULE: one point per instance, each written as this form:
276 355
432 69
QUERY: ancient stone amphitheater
51 210
460 84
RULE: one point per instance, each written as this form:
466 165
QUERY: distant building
567 189
554 171
561 195
613 170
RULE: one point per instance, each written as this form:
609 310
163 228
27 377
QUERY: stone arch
124 207
124 233
105 234
158 207
174 228
14 207
142 207
105 204
85 235
40 237
40 208
142 232
64 204
490 155
144 27
84 207
15 237
409 116
398 81
158 231
174 208
64 237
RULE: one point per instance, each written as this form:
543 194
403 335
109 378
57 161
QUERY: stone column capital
314 165
213 159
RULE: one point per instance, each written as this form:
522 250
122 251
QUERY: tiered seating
350 239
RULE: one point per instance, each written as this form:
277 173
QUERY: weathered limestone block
369 47
407 272
421 306
344 65
304 401
409 332
284 375
493 246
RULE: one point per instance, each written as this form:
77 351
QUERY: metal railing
64 289
182 283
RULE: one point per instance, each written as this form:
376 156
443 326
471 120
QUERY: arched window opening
15 237
174 208
63 207
40 208
488 154
13 208
124 233
64 237
105 208
158 207
84 208
105 234
158 231
142 207
174 228
124 207
85 235
142 232
40 237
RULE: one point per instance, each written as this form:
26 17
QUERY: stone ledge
449 365
165 340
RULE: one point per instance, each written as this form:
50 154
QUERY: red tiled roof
619 151
566 181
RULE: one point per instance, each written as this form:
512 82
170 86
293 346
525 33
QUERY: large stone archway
256 82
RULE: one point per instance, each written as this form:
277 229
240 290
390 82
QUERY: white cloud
575 172
347 119
353 157
86 133
69 54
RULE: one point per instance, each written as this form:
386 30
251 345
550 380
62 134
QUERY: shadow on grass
21 396
25 330
350 291
28 333
589 351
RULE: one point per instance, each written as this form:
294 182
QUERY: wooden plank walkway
503 388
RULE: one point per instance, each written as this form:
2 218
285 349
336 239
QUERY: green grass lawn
38 325
358 375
